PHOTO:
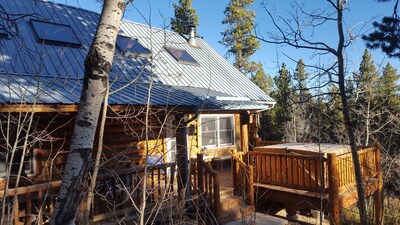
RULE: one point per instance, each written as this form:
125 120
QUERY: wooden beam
250 183
333 190
244 124
65 108
217 198
378 202
200 183
31 188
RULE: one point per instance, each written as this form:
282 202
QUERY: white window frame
171 139
217 118
29 159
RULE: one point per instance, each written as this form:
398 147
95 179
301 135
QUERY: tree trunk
97 67
346 116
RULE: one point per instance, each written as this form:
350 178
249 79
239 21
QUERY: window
217 131
132 46
171 139
14 166
182 56
5 159
53 33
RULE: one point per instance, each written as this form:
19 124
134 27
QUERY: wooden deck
301 176
309 176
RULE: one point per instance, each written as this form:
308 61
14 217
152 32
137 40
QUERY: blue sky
358 16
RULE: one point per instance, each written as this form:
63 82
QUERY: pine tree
265 82
301 77
237 35
185 16
388 122
366 81
336 131
386 35
280 115
389 87
301 104
367 77
262 80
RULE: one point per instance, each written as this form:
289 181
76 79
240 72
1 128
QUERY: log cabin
172 97
175 108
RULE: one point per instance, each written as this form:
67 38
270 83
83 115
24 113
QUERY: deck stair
233 207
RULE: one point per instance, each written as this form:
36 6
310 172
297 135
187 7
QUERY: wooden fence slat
301 171
290 171
296 177
278 169
334 209
284 170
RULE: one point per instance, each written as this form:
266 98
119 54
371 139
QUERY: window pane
182 56
208 124
132 45
172 150
3 163
55 33
3 32
225 123
14 166
226 137
209 138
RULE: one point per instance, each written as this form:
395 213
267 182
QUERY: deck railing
115 194
368 163
294 171
243 177
33 203
313 172
205 183
117 191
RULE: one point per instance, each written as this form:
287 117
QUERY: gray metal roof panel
60 68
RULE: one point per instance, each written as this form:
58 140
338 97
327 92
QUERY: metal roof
49 73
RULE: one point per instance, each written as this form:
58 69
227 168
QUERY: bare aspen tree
295 36
97 67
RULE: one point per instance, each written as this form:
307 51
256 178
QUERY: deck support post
378 201
234 174
200 183
334 210
244 127
217 199
250 186
182 159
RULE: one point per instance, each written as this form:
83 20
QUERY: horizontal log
31 188
312 157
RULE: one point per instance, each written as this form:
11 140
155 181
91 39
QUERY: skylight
182 56
53 33
132 46
3 29
3 33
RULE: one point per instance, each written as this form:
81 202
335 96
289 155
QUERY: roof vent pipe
192 38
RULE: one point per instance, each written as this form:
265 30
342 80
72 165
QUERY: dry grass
391 215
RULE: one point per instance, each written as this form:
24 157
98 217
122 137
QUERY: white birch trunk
97 67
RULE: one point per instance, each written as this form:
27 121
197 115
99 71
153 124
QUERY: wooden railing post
234 173
217 199
250 185
378 193
200 173
334 210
